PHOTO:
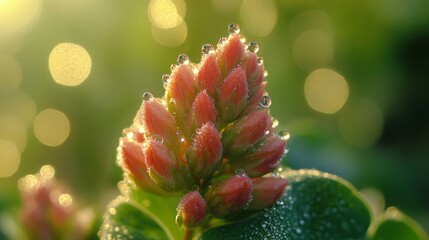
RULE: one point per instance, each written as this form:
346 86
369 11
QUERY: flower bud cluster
211 136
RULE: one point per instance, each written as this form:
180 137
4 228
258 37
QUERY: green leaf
394 225
124 220
315 206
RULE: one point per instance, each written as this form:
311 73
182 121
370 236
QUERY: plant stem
188 234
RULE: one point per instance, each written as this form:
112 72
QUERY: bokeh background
348 79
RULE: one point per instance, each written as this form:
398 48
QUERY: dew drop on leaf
207 49
253 47
233 28
182 59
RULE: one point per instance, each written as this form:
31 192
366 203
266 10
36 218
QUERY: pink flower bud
244 133
182 88
251 64
134 161
203 111
158 121
191 210
254 100
233 94
205 154
230 196
161 165
264 160
209 75
266 191
231 52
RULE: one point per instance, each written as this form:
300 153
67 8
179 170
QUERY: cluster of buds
210 137
48 212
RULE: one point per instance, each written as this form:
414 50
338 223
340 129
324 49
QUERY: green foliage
394 225
315 206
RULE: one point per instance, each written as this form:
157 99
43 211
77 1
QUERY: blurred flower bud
162 168
266 191
205 153
209 78
158 122
233 94
231 52
244 133
203 111
230 196
191 210
263 160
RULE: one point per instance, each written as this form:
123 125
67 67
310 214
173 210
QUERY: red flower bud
161 165
131 154
233 94
191 210
253 103
182 88
231 52
266 191
251 64
203 111
205 154
209 78
244 133
263 160
158 121
230 196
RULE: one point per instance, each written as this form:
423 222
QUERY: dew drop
265 101
242 39
182 59
165 79
265 73
253 47
222 40
172 67
180 136
284 135
233 28
157 138
275 123
260 60
207 49
128 133
147 96
240 172
267 132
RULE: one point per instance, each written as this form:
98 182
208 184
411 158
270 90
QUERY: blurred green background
348 79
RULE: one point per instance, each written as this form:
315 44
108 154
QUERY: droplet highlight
207 49
183 59
265 101
284 135
165 79
253 47
233 28
147 96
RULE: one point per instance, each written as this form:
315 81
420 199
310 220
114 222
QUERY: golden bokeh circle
9 158
51 127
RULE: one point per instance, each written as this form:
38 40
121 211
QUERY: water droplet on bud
275 123
284 135
222 40
265 101
207 49
147 96
265 73
233 28
157 138
172 67
180 136
182 59
253 47
242 39
128 133
260 60
165 79
240 172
